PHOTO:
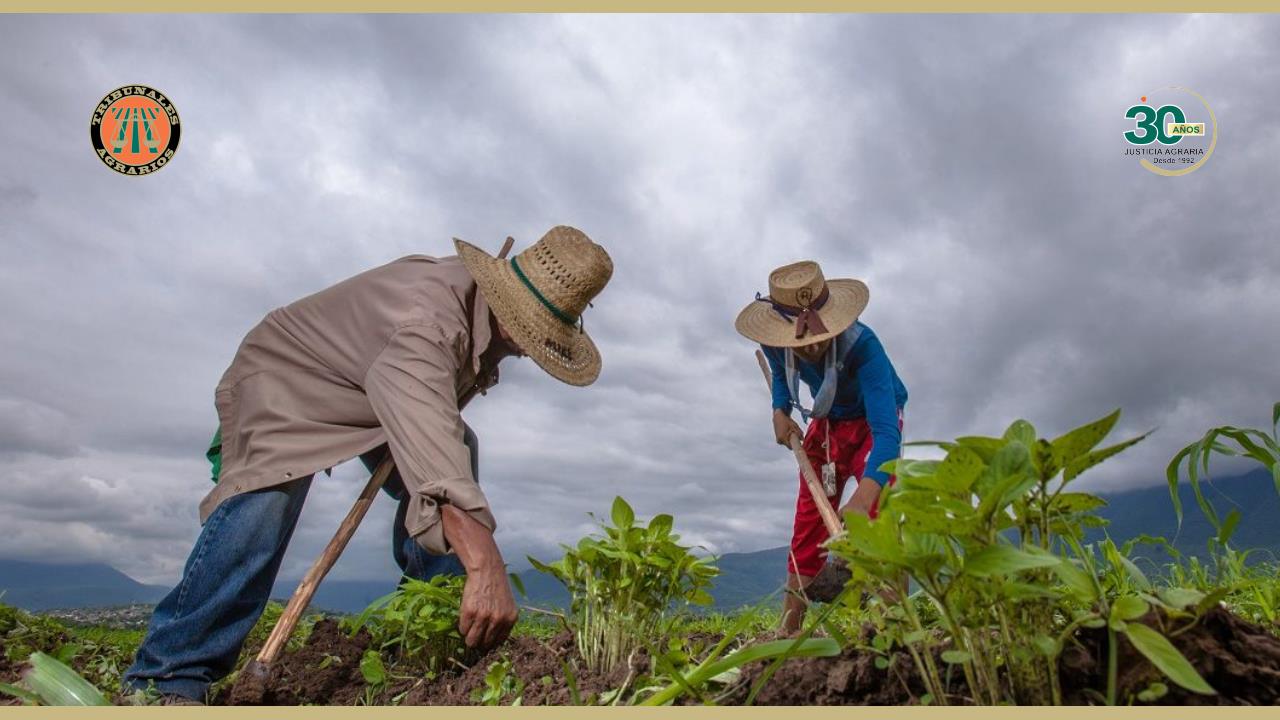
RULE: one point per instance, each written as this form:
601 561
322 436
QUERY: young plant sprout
621 585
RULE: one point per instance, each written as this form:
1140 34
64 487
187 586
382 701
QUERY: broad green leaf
622 514
1088 460
371 667
984 447
956 657
1211 600
1154 692
1083 439
915 636
1005 560
661 524
959 469
1022 591
1049 647
1128 607
1180 598
1022 431
1012 459
1157 648
1074 502
701 597
57 684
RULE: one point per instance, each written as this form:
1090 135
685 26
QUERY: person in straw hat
809 330
381 362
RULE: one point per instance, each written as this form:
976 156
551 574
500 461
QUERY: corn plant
621 585
50 682
418 622
1249 442
986 534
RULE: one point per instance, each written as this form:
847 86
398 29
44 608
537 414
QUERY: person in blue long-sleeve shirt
809 331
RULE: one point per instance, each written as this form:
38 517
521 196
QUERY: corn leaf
57 684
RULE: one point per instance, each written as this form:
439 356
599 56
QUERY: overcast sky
970 169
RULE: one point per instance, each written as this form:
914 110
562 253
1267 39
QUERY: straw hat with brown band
802 307
539 295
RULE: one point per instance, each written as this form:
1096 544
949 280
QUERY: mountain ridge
746 577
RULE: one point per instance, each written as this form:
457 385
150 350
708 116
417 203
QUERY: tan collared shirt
382 357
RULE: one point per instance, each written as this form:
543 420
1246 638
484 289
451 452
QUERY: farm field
974 586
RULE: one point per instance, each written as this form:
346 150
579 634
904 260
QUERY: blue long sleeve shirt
868 387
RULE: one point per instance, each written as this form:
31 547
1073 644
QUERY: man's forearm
472 541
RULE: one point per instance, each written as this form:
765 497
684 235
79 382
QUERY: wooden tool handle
307 588
829 516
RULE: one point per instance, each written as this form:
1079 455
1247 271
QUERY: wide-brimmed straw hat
539 295
802 307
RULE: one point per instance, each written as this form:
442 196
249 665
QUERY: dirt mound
324 671
850 678
539 664
1239 659
1236 657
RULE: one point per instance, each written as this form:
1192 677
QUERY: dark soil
324 671
851 678
1237 658
539 664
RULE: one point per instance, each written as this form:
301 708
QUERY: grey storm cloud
968 167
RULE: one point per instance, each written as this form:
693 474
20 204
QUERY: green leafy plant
500 683
992 537
622 584
418 622
1227 441
50 682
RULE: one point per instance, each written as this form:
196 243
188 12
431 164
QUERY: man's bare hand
864 498
488 608
784 427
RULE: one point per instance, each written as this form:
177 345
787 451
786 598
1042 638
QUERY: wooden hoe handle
307 588
829 516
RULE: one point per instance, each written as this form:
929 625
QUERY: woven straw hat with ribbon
539 295
802 307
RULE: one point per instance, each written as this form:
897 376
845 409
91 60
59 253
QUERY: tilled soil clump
1237 658
850 678
324 671
539 664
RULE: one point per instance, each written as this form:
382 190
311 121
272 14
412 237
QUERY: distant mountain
745 578
1150 510
44 586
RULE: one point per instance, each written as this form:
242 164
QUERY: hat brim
758 321
533 327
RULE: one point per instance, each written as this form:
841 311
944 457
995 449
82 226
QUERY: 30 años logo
135 130
1163 138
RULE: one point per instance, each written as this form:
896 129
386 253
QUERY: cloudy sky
969 168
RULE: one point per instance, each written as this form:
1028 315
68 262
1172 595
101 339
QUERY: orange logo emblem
135 130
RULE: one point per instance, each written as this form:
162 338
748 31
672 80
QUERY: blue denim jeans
198 629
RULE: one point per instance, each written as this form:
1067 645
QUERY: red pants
850 445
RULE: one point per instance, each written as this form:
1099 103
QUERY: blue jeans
198 629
